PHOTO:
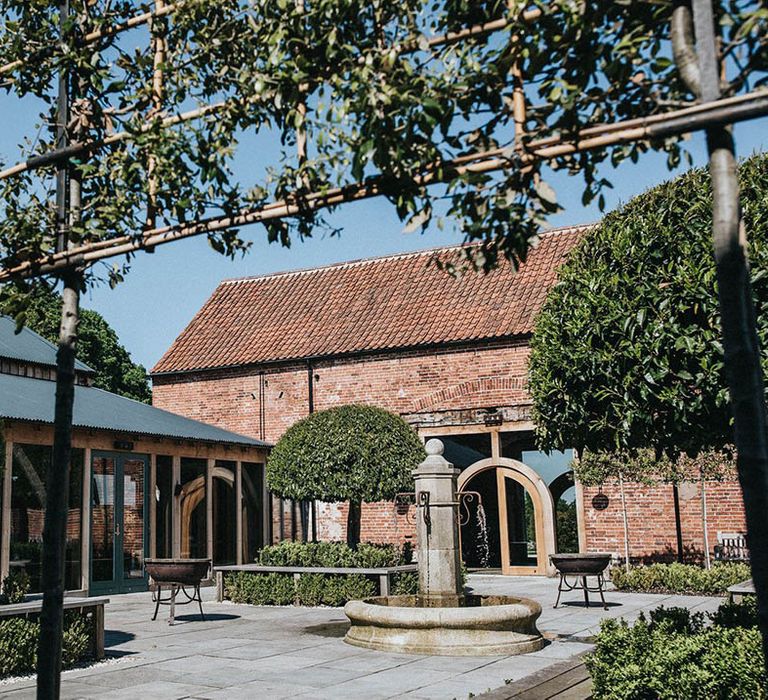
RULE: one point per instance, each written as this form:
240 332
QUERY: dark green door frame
119 583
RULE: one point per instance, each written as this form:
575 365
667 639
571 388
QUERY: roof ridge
382 258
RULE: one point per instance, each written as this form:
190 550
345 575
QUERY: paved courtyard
267 652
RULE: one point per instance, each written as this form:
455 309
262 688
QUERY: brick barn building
449 354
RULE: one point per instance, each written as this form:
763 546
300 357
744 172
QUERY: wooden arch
543 506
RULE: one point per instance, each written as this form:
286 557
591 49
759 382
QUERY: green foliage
350 453
98 345
405 584
15 587
743 614
680 578
626 353
316 589
567 534
367 554
675 655
379 100
18 642
310 589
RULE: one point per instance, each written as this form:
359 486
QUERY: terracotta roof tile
376 304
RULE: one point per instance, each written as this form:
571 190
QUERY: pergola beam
695 118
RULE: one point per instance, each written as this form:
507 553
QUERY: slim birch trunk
740 341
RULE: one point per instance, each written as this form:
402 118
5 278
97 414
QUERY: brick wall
406 383
421 384
651 519
416 383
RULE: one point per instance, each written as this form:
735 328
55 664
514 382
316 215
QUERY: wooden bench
384 574
731 547
95 605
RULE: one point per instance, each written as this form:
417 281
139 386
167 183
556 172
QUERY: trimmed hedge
18 642
680 578
319 589
367 555
676 654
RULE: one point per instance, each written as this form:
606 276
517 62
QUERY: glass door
520 524
118 530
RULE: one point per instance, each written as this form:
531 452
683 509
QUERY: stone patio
248 652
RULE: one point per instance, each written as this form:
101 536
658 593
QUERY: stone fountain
442 620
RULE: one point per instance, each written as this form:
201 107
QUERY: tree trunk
57 487
353 524
740 341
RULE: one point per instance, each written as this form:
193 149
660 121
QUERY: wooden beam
176 507
85 522
152 520
5 552
209 465
239 511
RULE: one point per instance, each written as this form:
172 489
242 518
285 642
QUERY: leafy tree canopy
98 345
350 453
360 81
626 352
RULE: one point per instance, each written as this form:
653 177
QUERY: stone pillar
437 529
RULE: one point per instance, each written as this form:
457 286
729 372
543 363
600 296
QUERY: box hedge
676 654
319 589
680 578
18 642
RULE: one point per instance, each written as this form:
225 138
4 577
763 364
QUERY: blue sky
164 290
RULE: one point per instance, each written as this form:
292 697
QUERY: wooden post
152 520
176 507
210 463
98 632
239 512
5 553
85 523
267 510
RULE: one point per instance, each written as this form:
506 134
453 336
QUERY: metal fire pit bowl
580 566
176 575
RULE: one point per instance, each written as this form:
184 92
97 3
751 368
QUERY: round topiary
626 352
351 453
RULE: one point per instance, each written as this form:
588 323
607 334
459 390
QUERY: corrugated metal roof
25 398
29 346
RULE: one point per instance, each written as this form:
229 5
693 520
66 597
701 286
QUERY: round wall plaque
600 502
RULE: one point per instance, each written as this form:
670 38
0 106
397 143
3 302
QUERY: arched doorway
519 517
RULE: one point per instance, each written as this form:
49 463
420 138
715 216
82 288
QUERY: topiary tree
351 453
626 353
627 363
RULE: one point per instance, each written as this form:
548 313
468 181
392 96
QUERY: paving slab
242 651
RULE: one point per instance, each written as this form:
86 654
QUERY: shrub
15 587
680 578
18 643
358 587
367 554
675 655
405 584
317 589
309 589
335 591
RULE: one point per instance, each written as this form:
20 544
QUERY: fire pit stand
580 566
177 575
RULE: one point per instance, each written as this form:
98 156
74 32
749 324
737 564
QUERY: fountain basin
484 626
